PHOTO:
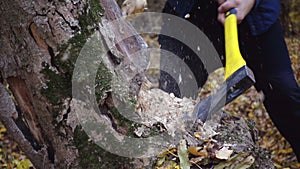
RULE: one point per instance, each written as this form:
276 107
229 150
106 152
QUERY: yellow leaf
168 165
177 167
296 165
251 115
166 152
286 151
24 164
197 151
2 130
197 134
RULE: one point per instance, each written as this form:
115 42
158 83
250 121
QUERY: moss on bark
59 87
94 157
59 84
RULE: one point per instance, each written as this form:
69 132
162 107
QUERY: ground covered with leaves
249 106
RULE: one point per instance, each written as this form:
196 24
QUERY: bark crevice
8 115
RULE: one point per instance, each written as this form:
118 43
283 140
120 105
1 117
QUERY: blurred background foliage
290 17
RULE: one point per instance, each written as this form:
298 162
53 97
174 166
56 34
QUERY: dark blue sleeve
263 15
257 2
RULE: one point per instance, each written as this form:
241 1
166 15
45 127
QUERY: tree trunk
40 42
288 29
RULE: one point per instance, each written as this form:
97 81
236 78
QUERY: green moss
94 157
87 151
102 83
59 85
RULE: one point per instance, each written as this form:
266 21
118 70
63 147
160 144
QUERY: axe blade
234 86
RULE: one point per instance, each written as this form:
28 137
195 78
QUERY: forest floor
248 106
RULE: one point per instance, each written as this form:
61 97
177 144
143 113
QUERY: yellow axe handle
234 59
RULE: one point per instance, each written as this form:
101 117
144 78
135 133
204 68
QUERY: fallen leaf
238 161
197 135
183 155
246 163
24 164
198 151
196 160
224 153
169 165
160 161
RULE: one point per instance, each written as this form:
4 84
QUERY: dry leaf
224 153
238 161
198 151
183 155
196 160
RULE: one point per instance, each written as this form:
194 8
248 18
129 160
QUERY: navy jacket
263 15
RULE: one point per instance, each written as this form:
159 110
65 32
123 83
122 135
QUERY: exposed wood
8 114
25 101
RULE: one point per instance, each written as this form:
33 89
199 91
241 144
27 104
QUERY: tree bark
40 41
285 19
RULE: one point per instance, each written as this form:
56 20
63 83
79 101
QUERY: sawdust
156 106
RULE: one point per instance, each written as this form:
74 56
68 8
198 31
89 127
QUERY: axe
238 77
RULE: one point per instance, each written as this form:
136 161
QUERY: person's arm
243 7
257 2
